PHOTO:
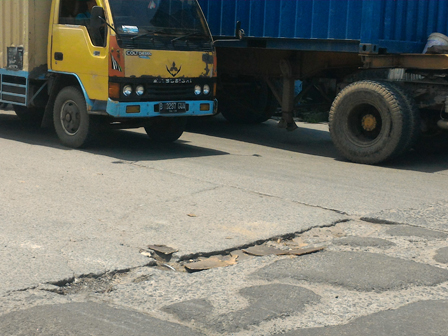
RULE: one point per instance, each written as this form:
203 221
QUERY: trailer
382 65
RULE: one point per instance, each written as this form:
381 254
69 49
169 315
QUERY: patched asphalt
428 318
360 271
87 319
433 216
360 284
363 242
442 255
412 231
265 303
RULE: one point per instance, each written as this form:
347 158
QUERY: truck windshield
140 21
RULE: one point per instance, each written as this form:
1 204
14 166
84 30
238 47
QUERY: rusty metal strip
407 61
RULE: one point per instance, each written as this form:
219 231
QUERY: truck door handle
58 56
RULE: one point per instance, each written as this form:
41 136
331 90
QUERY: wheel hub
369 122
70 117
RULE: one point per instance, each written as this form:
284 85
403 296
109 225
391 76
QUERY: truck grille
168 91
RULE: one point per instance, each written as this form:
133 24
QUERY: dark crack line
60 284
285 236
135 163
67 281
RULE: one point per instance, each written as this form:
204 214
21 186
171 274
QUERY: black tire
414 119
32 115
72 123
252 103
165 129
369 122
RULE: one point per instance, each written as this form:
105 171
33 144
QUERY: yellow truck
84 64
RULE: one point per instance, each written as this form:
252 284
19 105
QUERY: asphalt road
76 225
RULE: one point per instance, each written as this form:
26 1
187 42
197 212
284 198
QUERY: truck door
76 50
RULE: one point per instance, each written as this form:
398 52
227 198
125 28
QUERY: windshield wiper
150 33
196 33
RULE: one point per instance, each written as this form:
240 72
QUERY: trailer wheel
31 115
369 122
415 120
165 129
72 123
249 103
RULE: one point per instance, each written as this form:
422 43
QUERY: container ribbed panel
398 25
14 27
24 23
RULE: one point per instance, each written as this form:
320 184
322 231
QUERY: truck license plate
172 107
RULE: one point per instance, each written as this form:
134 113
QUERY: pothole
92 284
291 244
163 259
363 236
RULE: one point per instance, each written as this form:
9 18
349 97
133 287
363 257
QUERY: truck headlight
140 90
127 90
197 90
206 89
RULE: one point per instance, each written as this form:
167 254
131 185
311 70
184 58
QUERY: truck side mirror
96 17
239 33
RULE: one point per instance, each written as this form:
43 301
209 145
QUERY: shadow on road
311 139
122 145
421 162
132 146
307 140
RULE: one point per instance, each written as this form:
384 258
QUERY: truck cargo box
392 26
24 35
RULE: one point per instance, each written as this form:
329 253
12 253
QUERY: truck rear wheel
72 123
369 122
250 103
165 129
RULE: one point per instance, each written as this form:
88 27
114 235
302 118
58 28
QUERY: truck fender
56 84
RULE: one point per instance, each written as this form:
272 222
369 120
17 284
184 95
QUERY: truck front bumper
152 109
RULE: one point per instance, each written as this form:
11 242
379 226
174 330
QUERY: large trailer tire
369 122
31 115
251 103
165 129
73 125
415 121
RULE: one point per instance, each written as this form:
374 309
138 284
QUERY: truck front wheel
165 129
72 123
369 122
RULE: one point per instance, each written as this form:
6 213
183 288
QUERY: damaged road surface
232 230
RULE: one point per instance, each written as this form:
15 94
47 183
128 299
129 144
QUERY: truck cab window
66 10
78 13
82 11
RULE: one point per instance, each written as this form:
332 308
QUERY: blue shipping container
400 26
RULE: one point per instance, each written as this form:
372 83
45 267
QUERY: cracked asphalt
76 225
